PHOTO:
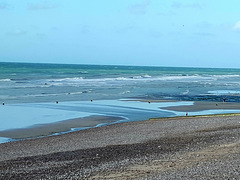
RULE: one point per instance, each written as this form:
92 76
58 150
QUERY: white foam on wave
44 95
80 92
66 79
185 92
146 76
81 81
226 76
125 92
5 80
183 78
194 77
223 92
113 79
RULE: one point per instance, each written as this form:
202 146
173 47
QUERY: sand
58 127
167 148
201 106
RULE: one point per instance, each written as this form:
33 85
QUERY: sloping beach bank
205 105
167 148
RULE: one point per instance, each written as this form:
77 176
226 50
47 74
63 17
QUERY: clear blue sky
194 33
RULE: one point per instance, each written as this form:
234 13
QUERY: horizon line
90 64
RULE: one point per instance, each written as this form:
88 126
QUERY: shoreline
92 121
61 127
188 147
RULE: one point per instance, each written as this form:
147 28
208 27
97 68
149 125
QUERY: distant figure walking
186 113
224 100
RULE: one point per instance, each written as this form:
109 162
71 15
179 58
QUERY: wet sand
201 106
166 148
58 127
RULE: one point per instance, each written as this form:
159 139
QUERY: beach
125 90
200 147
62 121
47 119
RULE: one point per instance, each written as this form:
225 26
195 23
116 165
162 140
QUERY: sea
28 83
38 93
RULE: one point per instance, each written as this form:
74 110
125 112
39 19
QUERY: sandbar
205 105
58 127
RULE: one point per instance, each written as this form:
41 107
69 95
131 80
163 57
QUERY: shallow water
30 114
15 116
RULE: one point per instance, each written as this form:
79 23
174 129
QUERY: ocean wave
183 78
125 92
82 72
66 79
146 76
226 76
5 80
42 95
5 97
116 81
185 92
19 79
46 94
142 77
113 79
223 92
74 93
80 81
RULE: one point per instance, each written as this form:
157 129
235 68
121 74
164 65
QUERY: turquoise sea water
30 91
23 82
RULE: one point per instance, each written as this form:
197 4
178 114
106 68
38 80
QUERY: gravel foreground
169 148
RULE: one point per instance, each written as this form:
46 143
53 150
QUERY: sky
179 33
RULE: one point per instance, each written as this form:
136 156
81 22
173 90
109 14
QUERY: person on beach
224 100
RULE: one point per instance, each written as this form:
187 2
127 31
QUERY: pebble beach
119 90
200 147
